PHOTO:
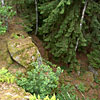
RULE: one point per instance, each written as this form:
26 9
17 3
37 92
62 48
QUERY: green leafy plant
6 76
40 80
5 13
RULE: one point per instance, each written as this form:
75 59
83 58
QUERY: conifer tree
61 28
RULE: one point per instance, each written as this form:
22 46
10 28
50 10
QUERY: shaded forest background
66 27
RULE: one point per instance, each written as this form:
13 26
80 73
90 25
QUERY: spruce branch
36 9
81 22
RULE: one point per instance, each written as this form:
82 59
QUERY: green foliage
5 76
67 93
92 23
61 28
92 27
40 80
94 58
5 13
46 98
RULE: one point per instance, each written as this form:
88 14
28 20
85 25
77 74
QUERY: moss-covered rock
12 92
23 50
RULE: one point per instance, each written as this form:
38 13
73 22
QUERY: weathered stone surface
22 49
12 92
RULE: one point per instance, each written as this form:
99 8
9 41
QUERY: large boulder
23 50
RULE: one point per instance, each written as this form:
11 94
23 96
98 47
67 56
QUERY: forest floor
92 89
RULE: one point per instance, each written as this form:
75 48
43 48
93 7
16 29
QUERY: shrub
40 80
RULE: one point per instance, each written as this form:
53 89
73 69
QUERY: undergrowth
6 76
40 80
